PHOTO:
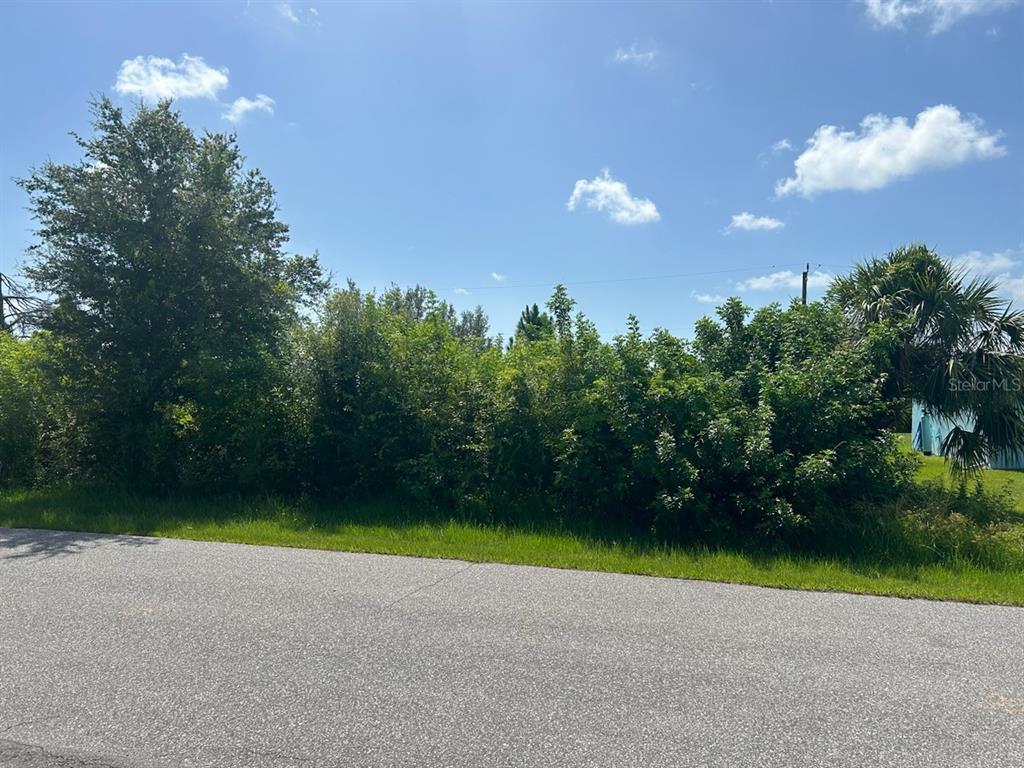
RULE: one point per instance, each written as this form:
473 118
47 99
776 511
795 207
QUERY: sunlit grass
935 469
395 528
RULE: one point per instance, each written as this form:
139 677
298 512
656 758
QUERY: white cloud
939 14
887 149
242 105
998 266
707 298
1013 287
785 279
980 263
497 277
752 223
285 9
152 77
642 58
461 291
297 16
604 193
780 146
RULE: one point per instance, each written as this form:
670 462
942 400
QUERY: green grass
394 528
935 469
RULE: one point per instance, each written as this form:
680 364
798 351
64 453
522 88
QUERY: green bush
21 411
767 431
931 524
759 431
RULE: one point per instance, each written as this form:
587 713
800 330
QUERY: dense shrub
399 399
772 426
930 524
21 411
762 428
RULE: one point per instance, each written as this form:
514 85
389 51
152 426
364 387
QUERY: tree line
183 349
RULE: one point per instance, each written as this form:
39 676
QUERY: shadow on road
31 543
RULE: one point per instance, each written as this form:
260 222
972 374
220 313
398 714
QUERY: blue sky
479 148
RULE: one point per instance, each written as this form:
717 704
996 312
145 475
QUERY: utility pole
803 295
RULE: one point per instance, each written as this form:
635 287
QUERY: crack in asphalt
33 721
447 577
23 755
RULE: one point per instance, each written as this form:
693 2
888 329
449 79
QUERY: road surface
119 652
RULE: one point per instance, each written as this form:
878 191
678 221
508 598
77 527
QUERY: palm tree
957 348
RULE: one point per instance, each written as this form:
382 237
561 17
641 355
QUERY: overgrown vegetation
188 354
904 552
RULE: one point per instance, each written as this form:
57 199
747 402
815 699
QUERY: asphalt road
117 652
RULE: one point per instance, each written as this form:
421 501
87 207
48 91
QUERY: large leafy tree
956 345
172 290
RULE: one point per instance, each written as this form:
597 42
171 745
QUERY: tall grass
911 551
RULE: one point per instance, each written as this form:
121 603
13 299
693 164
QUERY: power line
671 276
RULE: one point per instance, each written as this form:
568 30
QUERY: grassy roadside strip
387 529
